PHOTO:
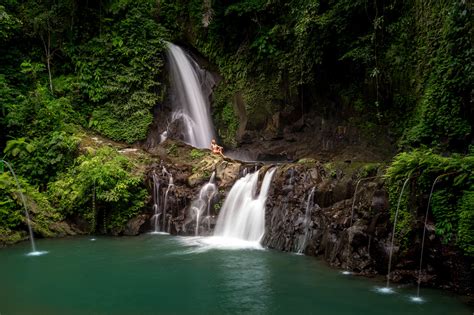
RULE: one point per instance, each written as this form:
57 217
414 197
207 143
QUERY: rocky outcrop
328 232
190 169
358 241
347 233
313 136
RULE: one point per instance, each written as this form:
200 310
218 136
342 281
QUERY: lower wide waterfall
243 214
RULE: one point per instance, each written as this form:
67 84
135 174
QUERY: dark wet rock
134 225
280 157
363 247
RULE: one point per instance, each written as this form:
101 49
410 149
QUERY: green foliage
451 203
105 62
32 68
466 222
38 113
443 82
119 71
47 143
19 147
196 154
444 208
8 24
11 208
172 149
129 125
119 192
12 211
246 7
224 117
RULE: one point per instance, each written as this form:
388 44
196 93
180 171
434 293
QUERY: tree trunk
47 52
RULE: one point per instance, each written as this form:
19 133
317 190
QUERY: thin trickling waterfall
165 206
243 214
156 202
307 220
190 105
387 289
292 174
33 252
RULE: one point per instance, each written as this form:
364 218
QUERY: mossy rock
306 161
9 237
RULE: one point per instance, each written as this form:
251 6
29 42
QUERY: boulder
134 224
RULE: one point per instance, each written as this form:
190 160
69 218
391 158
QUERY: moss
226 120
356 169
12 212
172 150
9 237
196 154
306 161
450 200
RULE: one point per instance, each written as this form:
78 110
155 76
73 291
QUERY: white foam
202 244
126 150
384 290
159 233
37 253
417 299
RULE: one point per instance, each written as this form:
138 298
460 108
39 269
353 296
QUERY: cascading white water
204 202
191 105
197 208
207 192
243 214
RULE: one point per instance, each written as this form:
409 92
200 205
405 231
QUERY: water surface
160 274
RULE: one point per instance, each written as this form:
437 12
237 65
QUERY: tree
49 20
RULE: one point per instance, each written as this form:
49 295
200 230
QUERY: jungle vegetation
71 67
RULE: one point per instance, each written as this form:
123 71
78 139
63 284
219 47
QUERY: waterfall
170 186
203 202
156 202
387 289
207 192
307 220
292 174
243 214
191 106
197 208
33 252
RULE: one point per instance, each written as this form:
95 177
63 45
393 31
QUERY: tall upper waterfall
191 106
243 214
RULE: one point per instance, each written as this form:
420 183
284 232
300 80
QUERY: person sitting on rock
215 148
